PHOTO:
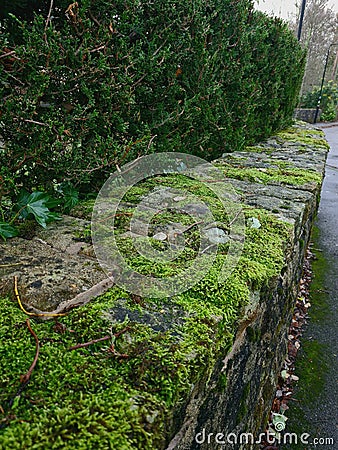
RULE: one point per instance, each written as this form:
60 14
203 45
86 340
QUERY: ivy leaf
52 202
39 210
25 199
7 231
70 194
35 204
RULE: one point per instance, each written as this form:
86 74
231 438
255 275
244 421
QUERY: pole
301 18
323 79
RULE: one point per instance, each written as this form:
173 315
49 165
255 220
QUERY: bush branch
25 378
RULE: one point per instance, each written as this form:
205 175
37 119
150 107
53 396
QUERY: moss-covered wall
205 359
282 176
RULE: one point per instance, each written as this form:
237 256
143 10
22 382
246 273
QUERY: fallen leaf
294 378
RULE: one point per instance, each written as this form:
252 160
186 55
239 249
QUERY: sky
283 8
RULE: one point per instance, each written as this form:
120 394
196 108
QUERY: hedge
108 81
328 100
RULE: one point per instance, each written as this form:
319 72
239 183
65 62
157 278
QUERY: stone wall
242 402
174 369
307 114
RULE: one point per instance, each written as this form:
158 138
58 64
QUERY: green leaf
16 402
39 211
71 195
53 216
35 204
52 203
7 231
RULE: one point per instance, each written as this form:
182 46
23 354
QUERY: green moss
254 334
243 407
259 149
315 138
27 229
280 175
318 292
84 233
83 209
92 398
311 367
222 382
97 399
84 398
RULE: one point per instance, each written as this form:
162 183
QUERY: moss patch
311 367
83 209
281 174
121 393
311 137
318 293
92 397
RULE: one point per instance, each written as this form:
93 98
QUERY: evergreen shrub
102 82
328 101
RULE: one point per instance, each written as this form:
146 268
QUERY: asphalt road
324 415
314 409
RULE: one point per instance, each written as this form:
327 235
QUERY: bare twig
192 225
48 20
11 265
207 248
25 378
159 48
94 19
14 78
79 300
236 217
39 314
118 334
139 80
36 123
86 344
151 141
97 49
12 52
117 354
94 341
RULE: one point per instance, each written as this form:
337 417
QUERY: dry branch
105 338
48 20
25 378
66 306
86 344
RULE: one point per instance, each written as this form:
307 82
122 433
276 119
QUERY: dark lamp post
301 18
323 80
